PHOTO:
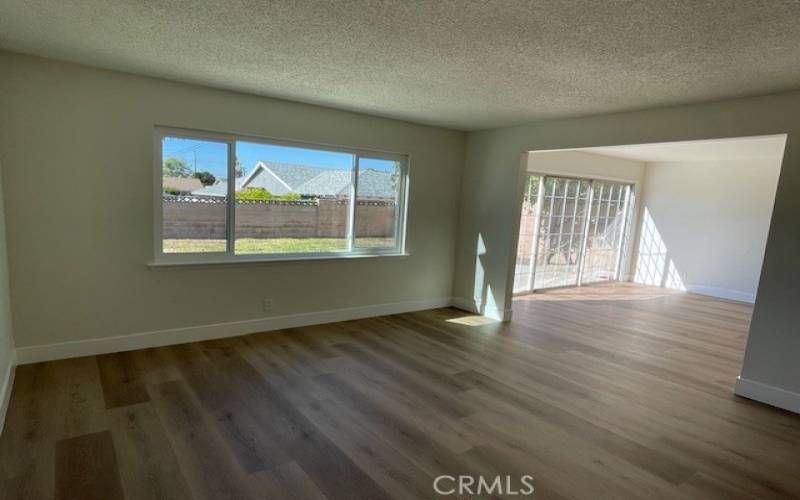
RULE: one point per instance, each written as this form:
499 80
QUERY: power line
186 150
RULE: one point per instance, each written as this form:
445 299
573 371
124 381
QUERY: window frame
229 256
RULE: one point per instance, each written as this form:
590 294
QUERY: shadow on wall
654 264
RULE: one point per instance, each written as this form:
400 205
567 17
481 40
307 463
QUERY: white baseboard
769 394
722 293
5 390
88 347
473 306
465 304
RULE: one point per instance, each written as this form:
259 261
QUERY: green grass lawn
273 245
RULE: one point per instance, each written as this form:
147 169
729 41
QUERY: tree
206 178
239 169
174 167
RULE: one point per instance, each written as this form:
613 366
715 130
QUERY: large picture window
226 198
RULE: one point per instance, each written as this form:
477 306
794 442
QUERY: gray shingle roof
261 178
376 184
371 184
310 181
327 183
294 175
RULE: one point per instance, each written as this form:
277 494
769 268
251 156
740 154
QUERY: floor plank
603 391
86 468
147 464
205 460
122 383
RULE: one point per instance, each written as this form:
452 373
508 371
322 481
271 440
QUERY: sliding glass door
561 232
528 227
605 235
571 232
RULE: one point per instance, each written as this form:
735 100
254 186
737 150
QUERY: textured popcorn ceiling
462 64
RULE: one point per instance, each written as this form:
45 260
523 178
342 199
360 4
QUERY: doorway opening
572 231
690 216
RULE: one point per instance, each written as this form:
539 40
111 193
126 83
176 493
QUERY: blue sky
211 156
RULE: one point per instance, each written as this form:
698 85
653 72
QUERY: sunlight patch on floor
473 320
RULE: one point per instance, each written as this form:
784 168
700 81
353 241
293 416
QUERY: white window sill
199 261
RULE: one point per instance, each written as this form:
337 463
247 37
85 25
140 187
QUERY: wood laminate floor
609 391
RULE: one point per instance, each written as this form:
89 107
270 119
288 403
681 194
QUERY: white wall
6 337
588 165
594 166
77 149
705 225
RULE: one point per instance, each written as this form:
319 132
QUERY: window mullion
587 217
621 240
400 212
351 216
158 195
230 209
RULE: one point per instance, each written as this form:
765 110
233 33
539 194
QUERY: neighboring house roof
182 184
263 177
291 175
326 183
376 184
283 178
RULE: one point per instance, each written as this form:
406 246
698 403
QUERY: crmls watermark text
480 485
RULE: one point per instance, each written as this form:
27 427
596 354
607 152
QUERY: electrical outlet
266 305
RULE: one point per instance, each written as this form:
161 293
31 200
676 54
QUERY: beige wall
77 148
6 337
705 225
491 198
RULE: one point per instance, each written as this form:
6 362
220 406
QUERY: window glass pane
377 208
291 199
192 222
561 233
605 233
527 228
